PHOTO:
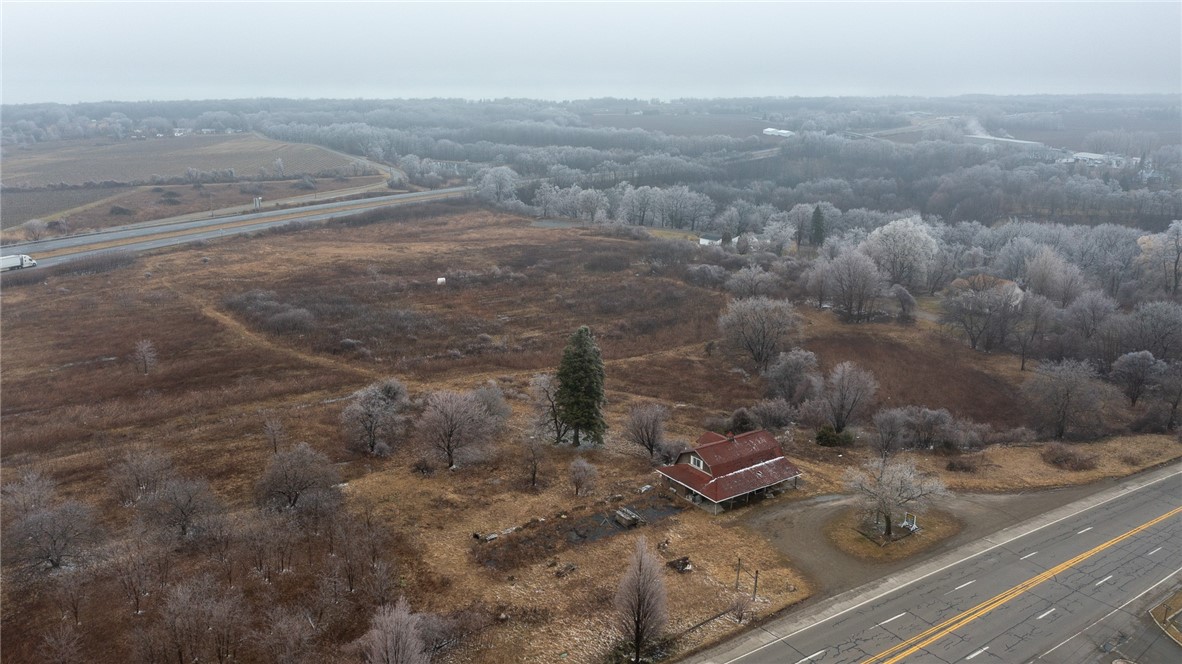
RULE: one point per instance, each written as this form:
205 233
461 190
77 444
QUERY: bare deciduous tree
641 601
52 537
582 476
180 505
394 637
143 356
62 644
849 391
455 425
139 473
1168 384
887 487
856 284
543 390
646 426
890 426
793 376
1063 393
375 417
288 636
751 282
274 432
294 475
534 445
31 493
1135 373
132 565
1035 316
759 327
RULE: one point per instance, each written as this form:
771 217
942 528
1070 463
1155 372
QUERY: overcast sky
70 52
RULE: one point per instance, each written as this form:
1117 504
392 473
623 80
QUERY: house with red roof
722 470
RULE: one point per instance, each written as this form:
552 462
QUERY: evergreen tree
580 387
817 236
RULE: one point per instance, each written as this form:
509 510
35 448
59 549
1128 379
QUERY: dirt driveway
797 529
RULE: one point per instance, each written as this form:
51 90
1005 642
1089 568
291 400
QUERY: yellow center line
936 632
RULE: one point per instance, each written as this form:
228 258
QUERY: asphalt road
1071 587
150 235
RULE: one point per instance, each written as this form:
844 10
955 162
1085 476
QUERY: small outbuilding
708 239
722 470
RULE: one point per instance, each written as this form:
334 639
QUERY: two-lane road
1065 592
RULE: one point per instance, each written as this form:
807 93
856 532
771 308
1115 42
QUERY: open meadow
76 162
285 326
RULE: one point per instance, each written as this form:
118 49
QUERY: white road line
977 652
1104 579
1028 555
1154 551
808 659
965 584
1109 614
1044 614
895 589
1085 530
890 619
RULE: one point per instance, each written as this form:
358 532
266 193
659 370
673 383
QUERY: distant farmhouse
708 239
722 470
782 133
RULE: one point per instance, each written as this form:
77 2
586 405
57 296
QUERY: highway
190 228
1070 587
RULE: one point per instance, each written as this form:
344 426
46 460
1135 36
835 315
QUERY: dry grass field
17 207
100 160
127 205
72 402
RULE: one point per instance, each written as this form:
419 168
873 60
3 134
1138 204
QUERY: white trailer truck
16 262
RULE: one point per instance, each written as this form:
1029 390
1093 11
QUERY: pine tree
580 387
817 236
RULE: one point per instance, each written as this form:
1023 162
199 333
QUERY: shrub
119 210
423 467
827 436
963 464
1067 458
607 262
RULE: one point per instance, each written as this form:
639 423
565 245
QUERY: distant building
1095 159
782 133
708 239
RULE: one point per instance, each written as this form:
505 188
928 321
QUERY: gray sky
70 52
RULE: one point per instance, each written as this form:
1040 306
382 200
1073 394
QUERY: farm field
739 126
146 203
126 205
73 402
102 160
1078 125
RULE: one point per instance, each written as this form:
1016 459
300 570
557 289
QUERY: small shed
708 239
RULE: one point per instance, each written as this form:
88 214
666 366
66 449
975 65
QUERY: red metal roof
737 465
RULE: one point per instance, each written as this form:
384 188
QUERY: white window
697 463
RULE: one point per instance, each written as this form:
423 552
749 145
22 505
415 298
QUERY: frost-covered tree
903 250
641 601
759 327
887 488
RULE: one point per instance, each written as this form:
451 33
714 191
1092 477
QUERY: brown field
514 293
739 126
100 160
1077 126
17 207
82 213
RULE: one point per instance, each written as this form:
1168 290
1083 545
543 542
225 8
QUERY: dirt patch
852 534
919 366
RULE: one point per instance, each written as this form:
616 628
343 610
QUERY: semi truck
16 262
